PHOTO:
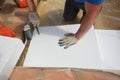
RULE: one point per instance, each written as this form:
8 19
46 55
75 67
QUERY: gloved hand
68 40
34 19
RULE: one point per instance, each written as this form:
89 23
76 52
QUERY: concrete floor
51 14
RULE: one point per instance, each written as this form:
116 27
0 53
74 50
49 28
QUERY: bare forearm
85 26
89 19
31 5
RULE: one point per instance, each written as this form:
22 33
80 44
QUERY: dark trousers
2 3
71 10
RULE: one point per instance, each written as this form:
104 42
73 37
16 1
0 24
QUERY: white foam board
10 51
109 47
45 52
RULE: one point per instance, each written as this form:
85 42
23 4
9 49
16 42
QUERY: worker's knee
2 3
70 10
68 17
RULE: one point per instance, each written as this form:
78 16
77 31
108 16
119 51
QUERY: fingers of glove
68 45
38 24
64 43
65 40
34 24
62 39
61 44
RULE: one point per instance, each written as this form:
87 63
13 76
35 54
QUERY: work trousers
71 10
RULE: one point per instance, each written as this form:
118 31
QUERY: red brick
25 74
59 74
98 75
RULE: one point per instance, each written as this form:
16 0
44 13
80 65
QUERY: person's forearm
85 26
88 21
31 5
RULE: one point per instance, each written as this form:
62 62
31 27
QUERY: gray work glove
34 19
68 40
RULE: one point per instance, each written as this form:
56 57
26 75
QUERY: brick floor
41 74
15 18
21 73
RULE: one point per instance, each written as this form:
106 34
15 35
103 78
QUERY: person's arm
92 11
33 16
31 5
